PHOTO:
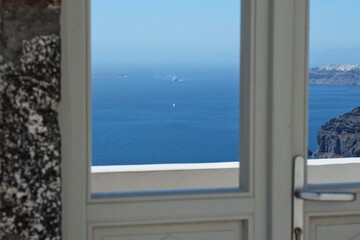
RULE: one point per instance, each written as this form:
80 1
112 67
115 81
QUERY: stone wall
30 183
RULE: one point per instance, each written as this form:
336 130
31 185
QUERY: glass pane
334 79
165 93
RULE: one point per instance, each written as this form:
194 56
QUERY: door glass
165 94
334 79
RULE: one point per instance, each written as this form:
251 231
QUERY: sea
156 117
327 102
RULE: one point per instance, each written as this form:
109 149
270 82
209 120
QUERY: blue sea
327 102
185 117
165 117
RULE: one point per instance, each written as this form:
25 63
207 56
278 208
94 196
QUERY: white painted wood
245 206
273 118
256 226
196 231
323 220
187 210
72 118
298 203
280 166
247 99
335 228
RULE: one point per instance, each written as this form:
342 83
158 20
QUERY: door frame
72 119
274 56
288 108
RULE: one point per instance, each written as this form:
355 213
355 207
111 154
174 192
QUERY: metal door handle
325 196
301 194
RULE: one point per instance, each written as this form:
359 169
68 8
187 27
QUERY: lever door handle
301 193
325 196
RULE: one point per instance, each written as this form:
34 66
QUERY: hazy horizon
165 34
333 35
140 34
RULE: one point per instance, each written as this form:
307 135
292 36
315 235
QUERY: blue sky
158 33
203 33
334 32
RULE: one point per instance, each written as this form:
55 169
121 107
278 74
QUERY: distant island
340 136
347 74
110 75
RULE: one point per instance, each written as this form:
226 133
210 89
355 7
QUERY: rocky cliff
348 74
340 137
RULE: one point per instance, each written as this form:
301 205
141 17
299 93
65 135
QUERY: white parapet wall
334 170
206 175
164 176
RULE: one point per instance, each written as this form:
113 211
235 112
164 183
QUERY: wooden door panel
333 220
196 231
335 228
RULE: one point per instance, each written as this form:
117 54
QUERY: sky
201 33
158 33
334 32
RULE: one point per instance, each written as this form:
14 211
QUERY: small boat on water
175 78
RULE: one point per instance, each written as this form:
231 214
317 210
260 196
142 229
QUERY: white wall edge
163 167
204 166
332 161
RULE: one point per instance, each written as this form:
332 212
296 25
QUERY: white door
326 204
273 124
225 213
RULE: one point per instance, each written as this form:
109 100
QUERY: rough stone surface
30 143
23 20
340 137
30 183
32 4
